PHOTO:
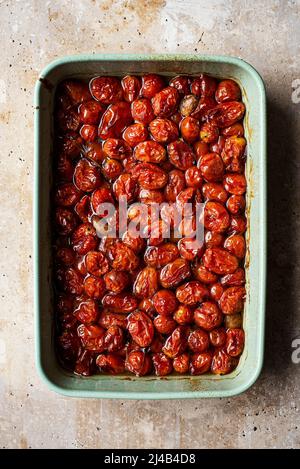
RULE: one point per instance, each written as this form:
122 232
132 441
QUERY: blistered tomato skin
214 191
165 102
181 363
138 362
150 298
217 337
146 283
142 111
116 148
131 87
226 114
208 316
204 275
110 363
150 152
84 238
175 184
211 167
209 132
114 120
191 293
220 261
87 311
174 273
204 86
90 112
120 302
228 90
198 340
182 84
162 364
164 324
235 342
234 280
141 328
151 176
94 287
134 134
86 176
151 84
232 300
236 204
216 291
107 90
160 256
163 130
216 217
236 244
164 302
222 363
108 318
176 343
181 155
200 363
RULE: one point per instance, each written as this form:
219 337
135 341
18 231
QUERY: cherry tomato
220 261
211 167
134 134
181 363
235 342
142 111
131 87
164 103
140 327
184 314
181 154
165 302
232 300
114 120
189 128
107 90
200 363
163 130
162 364
182 84
94 287
151 84
86 176
191 293
176 343
208 316
150 152
138 362
222 363
228 90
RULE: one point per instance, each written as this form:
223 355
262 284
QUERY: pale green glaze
254 317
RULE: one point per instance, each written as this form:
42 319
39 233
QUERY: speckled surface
265 33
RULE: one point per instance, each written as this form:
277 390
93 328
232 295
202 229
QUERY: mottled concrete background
34 32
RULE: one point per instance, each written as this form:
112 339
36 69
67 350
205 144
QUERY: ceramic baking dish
130 387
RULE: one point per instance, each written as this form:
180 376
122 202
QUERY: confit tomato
139 291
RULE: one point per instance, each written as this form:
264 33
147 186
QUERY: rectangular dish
255 123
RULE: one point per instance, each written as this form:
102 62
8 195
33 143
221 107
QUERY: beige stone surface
34 32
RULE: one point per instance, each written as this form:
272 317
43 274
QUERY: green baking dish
171 387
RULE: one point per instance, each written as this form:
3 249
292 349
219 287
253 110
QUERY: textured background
265 33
